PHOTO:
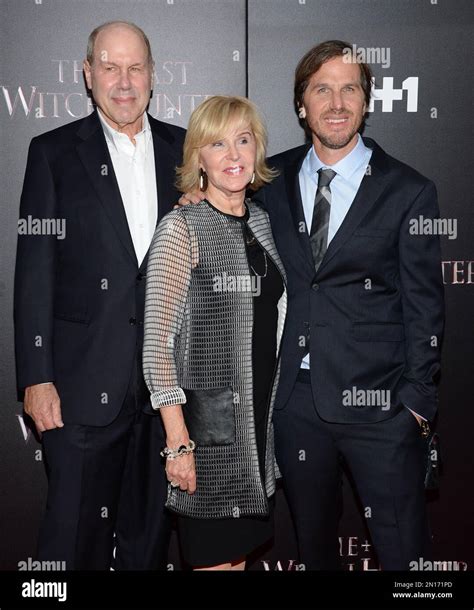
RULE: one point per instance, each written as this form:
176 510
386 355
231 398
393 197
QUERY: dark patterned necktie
320 224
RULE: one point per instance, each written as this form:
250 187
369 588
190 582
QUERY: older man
79 307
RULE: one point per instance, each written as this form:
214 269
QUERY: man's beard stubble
331 142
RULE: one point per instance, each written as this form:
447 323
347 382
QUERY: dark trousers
387 463
106 480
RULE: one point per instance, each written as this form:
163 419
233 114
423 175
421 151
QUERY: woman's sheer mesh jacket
197 337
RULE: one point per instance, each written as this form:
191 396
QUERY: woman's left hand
181 472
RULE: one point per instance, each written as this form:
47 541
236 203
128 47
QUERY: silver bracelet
171 454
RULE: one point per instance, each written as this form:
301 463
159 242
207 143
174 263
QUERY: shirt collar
345 167
114 137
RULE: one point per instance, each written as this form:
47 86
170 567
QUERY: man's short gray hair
93 35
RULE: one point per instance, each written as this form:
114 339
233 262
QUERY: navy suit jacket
374 311
79 302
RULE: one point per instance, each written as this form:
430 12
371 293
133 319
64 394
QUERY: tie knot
325 177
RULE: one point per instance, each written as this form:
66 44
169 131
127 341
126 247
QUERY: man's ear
87 73
152 80
302 112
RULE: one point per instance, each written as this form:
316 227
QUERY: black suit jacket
79 302
374 311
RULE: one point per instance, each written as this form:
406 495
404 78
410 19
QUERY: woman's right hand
181 472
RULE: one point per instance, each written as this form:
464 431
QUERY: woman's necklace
251 240
266 266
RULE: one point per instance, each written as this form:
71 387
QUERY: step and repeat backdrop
421 113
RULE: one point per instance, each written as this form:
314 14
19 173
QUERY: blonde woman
214 316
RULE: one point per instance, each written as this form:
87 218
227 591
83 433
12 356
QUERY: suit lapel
166 161
370 190
95 157
296 207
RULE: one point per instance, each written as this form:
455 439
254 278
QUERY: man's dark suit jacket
79 302
374 311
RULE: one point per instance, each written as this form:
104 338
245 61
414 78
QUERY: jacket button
315 286
132 321
140 276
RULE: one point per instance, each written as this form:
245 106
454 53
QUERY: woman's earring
302 112
202 180
253 178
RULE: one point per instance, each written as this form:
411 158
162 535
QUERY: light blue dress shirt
344 186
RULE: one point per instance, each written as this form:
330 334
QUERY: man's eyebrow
111 63
353 83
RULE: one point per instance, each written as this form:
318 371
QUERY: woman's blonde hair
209 123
